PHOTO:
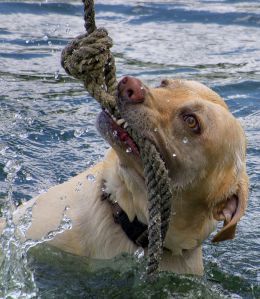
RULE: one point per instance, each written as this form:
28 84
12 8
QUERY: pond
47 128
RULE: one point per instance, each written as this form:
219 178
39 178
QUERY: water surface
48 124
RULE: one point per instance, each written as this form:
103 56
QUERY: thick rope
159 199
89 59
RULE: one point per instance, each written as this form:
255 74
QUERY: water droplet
17 116
185 140
3 150
45 38
57 75
28 177
23 135
49 43
67 208
67 225
12 167
174 155
30 121
129 150
91 177
67 28
139 253
78 132
27 41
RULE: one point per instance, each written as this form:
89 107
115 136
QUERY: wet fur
206 173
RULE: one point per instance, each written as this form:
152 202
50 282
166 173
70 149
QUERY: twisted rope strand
89 16
88 58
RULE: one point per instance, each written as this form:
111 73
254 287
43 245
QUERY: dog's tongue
125 138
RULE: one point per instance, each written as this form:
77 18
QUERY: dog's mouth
115 132
131 94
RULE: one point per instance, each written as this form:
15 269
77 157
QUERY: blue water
48 124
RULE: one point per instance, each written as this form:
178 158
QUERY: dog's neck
128 189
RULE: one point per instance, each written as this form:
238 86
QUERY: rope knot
89 59
87 56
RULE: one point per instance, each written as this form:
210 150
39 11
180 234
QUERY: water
47 125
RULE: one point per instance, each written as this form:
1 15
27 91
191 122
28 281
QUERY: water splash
79 132
139 253
65 224
16 278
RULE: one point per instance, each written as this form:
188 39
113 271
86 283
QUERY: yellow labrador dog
203 147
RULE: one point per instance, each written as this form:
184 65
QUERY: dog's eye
192 122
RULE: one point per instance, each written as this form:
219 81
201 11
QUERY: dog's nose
131 89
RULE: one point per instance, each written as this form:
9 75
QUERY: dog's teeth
114 119
125 125
120 121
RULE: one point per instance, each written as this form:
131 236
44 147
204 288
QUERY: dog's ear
231 211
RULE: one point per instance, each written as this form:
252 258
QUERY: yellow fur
209 169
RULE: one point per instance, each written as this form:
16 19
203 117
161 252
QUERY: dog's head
202 144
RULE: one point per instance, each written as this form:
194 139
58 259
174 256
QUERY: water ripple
48 120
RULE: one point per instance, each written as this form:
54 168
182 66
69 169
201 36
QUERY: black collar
136 231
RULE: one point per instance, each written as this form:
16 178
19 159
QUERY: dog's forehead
184 90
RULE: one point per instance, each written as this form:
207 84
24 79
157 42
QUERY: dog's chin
115 134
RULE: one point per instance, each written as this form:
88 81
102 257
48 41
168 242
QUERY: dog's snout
131 89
